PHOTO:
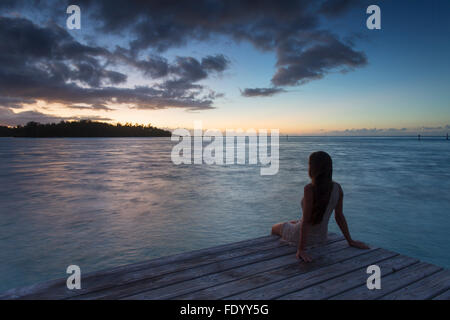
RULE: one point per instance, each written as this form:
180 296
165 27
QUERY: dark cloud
192 70
152 66
293 29
333 8
100 107
437 130
261 92
217 63
14 102
91 118
10 118
48 64
189 68
165 24
300 62
185 68
51 51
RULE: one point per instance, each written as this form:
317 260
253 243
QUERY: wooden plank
56 289
443 296
265 278
350 280
390 283
424 289
314 277
261 268
146 280
216 279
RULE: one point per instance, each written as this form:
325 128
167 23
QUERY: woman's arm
342 223
306 218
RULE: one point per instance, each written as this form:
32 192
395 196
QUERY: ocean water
100 203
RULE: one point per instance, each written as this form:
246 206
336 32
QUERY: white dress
317 233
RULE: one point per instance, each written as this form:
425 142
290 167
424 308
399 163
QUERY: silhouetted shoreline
81 129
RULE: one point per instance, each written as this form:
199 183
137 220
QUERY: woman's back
317 233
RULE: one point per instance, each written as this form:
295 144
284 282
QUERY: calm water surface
100 203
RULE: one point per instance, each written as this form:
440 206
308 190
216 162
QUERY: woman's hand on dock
302 255
358 244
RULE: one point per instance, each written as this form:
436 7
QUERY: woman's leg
276 228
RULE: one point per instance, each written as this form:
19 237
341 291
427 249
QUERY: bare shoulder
341 192
309 188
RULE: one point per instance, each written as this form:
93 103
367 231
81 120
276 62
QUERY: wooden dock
261 268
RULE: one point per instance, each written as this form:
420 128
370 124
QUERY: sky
303 67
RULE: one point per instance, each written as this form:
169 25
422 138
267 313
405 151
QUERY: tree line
80 129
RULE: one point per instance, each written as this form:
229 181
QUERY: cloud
301 62
49 64
334 8
164 24
100 107
411 131
48 51
187 68
294 29
12 102
217 63
10 118
261 92
154 66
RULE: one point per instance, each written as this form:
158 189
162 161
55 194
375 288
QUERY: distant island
81 129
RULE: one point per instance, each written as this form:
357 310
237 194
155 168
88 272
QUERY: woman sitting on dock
321 197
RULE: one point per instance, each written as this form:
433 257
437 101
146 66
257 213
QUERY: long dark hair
321 174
